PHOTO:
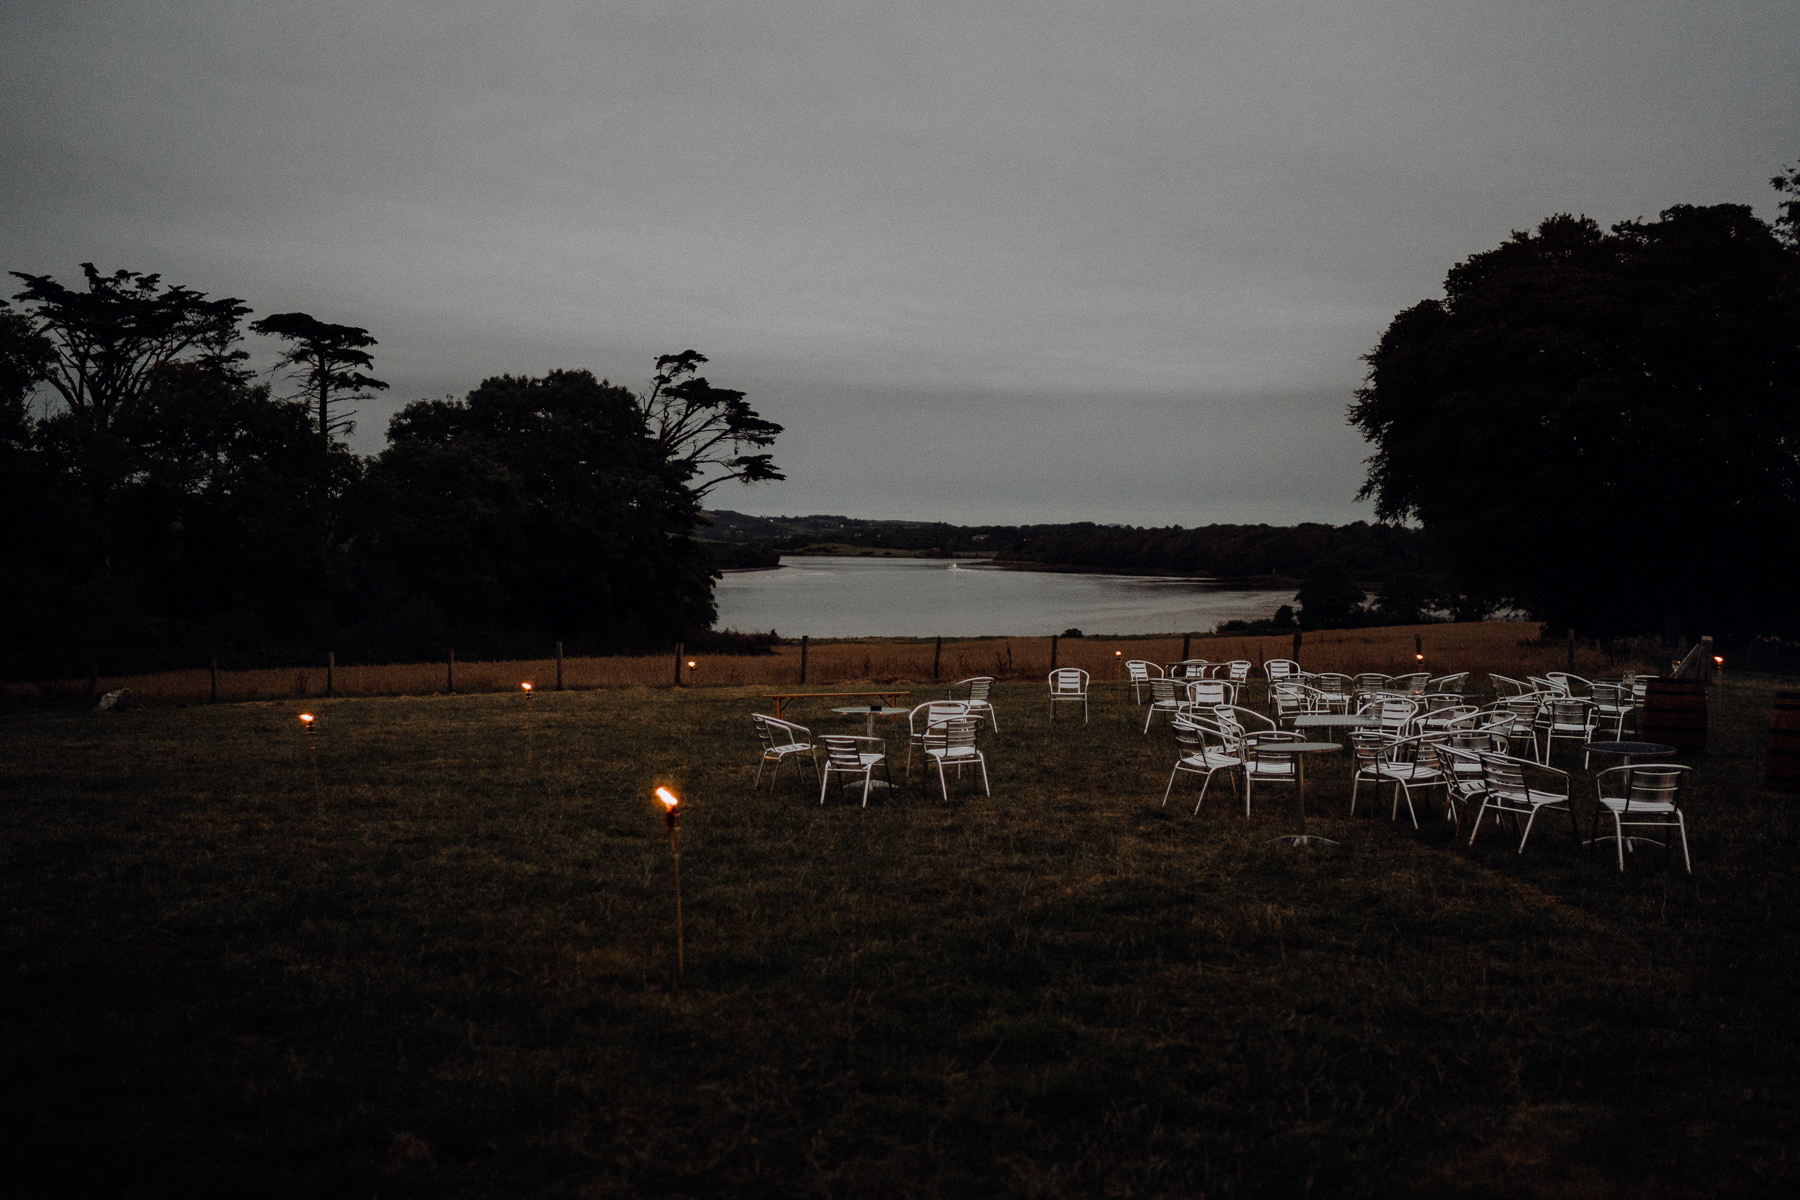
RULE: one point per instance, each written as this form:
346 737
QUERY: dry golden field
1509 647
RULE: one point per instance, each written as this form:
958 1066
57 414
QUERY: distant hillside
1369 552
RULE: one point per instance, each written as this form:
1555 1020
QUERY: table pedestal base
1304 839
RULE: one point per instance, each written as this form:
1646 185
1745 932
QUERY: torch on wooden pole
672 818
307 722
526 688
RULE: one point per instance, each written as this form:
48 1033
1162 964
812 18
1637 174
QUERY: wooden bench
781 698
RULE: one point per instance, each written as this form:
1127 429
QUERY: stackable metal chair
1138 674
1202 749
782 740
1570 718
1643 795
1409 763
1069 685
1520 787
1265 762
975 695
851 756
922 717
951 743
1167 696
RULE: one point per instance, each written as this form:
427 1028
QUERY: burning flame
526 686
669 799
306 719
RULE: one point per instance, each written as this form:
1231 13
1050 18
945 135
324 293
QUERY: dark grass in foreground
446 965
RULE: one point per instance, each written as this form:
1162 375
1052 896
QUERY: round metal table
1301 750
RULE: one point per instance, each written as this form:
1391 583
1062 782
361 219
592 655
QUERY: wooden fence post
450 673
803 641
1053 652
1187 641
559 660
937 654
1296 654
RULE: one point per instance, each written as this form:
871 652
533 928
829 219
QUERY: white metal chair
1369 681
1412 684
1231 717
1335 689
1211 693
1569 718
1265 762
1640 693
975 695
848 756
922 717
1570 683
1520 787
1138 674
1439 719
1280 668
1461 754
1366 746
782 740
1458 682
1612 704
1648 795
1167 697
951 743
1393 714
1288 699
1238 671
1506 685
1409 763
1069 685
1522 724
1201 751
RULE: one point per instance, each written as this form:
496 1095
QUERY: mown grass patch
444 964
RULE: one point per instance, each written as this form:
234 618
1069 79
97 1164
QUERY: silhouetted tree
1787 225
106 344
328 360
1328 596
536 507
1603 427
703 429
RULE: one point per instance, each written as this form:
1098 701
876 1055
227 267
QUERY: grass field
432 952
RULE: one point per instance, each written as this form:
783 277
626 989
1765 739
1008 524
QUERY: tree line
165 507
1602 426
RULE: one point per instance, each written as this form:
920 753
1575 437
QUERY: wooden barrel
1675 712
1784 743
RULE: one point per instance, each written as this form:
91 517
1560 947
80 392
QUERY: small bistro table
1629 750
1301 750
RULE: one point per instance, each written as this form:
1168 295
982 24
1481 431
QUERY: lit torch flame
669 799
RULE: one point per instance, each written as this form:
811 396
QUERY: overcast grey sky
987 262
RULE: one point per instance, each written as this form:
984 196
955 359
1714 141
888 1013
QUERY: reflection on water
925 597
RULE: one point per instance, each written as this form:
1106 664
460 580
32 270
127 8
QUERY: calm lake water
926 597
